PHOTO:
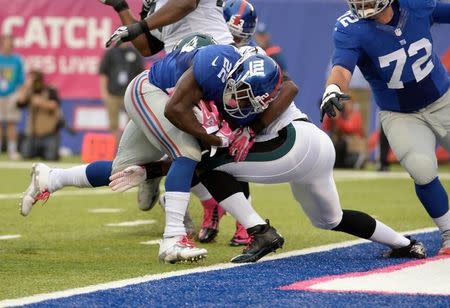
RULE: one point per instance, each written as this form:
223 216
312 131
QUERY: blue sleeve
441 13
205 73
421 8
346 53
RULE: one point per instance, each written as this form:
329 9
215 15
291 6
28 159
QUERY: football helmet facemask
367 8
251 85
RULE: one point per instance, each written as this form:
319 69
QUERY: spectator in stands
118 67
11 79
347 133
44 118
262 37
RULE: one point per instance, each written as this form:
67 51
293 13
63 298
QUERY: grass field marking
29 164
10 236
132 223
81 192
152 242
105 210
132 281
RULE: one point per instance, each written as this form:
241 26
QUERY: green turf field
63 245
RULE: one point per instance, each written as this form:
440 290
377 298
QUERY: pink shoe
240 237
212 213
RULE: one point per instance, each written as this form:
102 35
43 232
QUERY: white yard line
132 223
105 210
127 282
152 242
10 236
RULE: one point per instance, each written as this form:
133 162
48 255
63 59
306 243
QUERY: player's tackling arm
340 76
332 98
179 109
287 94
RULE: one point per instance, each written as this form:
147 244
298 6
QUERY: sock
178 186
175 208
364 226
239 207
75 176
435 200
443 222
98 172
201 192
387 236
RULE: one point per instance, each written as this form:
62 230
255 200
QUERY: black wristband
154 170
121 6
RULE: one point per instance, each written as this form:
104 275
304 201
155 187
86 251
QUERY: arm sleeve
346 53
21 73
441 13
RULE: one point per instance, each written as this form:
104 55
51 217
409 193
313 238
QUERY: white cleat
148 193
37 190
180 249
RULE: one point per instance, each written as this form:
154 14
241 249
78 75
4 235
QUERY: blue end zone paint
257 284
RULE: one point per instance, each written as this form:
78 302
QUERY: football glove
226 135
245 138
332 99
126 33
129 177
118 5
208 116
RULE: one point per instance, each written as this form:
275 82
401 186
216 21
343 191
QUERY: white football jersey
206 18
271 131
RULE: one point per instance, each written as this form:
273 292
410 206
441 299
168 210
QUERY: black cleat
414 250
265 239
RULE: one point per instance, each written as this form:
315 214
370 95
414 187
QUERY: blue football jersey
211 65
397 59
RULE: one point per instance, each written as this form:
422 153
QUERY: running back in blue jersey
165 73
211 65
397 59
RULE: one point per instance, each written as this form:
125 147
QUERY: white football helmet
367 8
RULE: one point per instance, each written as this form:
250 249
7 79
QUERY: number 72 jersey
399 63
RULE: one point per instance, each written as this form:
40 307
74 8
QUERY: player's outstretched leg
46 180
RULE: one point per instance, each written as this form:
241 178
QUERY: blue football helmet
253 82
367 8
241 20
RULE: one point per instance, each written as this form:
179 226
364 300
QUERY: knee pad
326 223
421 167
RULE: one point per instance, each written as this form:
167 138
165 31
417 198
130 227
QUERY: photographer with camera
44 118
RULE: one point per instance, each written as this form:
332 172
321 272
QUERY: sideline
127 282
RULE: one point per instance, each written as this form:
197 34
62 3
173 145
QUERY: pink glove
226 135
245 138
208 116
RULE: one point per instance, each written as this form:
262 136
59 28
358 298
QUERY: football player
160 124
241 19
390 41
291 150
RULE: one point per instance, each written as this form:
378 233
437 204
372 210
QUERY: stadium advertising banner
63 39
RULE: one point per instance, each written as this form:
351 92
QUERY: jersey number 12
400 56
